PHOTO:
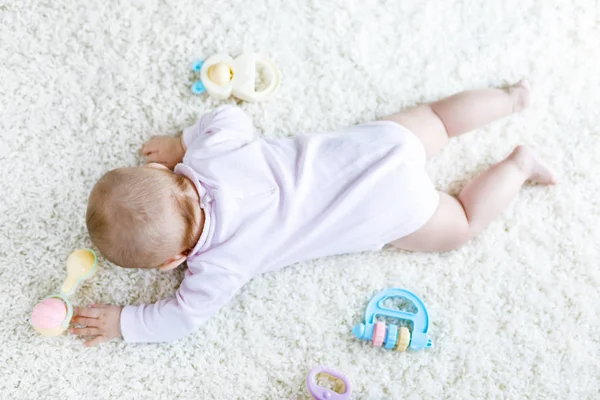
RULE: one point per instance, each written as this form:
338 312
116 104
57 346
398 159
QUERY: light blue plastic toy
392 335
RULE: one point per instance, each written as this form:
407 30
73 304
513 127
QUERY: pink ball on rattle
48 316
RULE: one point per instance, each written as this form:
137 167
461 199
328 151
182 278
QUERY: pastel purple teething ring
321 393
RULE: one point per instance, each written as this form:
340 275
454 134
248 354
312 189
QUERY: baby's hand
165 150
102 323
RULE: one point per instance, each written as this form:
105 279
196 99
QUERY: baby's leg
457 220
436 122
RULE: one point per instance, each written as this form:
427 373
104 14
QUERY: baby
237 205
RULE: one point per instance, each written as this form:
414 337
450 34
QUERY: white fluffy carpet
515 314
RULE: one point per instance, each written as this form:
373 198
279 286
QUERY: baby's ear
173 262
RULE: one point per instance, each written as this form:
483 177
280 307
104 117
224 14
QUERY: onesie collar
205 200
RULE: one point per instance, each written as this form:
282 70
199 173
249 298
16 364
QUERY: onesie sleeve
203 292
227 126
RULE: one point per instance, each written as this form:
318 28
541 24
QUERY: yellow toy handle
81 264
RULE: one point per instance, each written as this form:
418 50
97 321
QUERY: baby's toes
521 94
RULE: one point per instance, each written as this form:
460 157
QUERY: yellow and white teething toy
51 316
222 76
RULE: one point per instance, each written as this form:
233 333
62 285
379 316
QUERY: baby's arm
226 127
205 289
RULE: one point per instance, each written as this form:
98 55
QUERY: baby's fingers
87 312
93 322
149 147
145 151
85 331
153 157
95 341
99 305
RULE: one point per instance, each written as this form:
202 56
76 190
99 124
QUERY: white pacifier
221 76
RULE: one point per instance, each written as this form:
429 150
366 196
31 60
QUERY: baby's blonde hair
140 217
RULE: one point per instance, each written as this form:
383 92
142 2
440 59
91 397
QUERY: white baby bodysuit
269 203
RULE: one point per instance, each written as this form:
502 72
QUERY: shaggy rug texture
515 313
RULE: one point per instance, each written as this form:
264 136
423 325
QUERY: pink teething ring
378 334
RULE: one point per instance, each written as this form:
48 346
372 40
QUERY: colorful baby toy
51 316
321 393
221 76
393 336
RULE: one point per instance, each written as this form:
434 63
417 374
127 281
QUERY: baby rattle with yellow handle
52 315
222 76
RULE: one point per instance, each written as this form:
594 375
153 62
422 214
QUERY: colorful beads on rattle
392 336
403 339
378 334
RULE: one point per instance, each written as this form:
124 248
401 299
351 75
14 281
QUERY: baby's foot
533 166
521 95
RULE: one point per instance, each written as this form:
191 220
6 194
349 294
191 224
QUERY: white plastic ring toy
222 76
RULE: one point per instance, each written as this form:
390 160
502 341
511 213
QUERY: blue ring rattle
393 336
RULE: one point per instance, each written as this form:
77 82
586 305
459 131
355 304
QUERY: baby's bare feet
521 95
533 166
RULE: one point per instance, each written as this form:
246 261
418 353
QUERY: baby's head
145 217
